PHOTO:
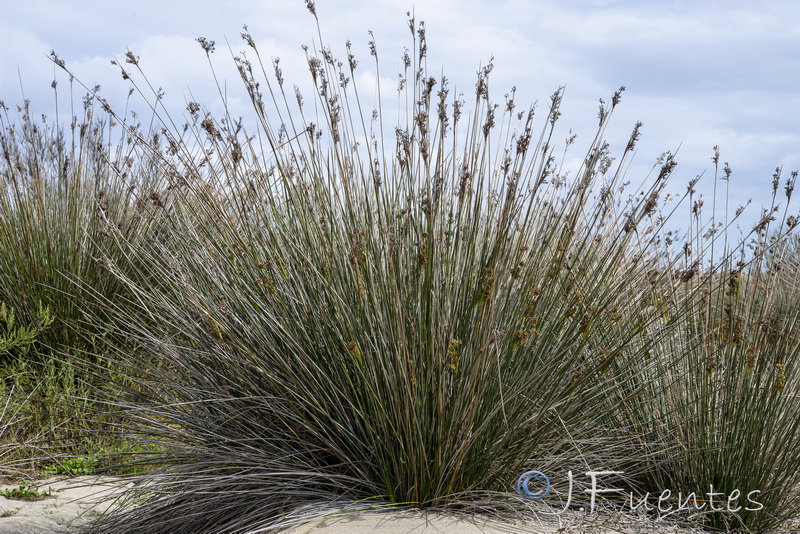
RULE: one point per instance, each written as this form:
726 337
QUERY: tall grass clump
336 311
64 192
720 414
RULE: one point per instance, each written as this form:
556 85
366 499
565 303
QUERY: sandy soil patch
423 522
71 502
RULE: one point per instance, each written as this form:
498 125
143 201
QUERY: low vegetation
24 492
58 194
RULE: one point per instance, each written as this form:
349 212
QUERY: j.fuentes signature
535 485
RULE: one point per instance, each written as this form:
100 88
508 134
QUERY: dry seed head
651 204
335 109
105 263
578 376
510 105
102 202
489 280
210 128
489 124
373 51
247 38
780 376
452 354
57 60
697 207
482 85
602 115
357 249
406 60
617 97
412 375
767 216
733 283
442 106
752 357
423 43
131 58
457 105
351 59
635 135
327 55
268 284
516 271
411 328
776 180
422 253
521 337
727 170
667 167
312 8
278 71
586 320
690 186
352 348
524 141
555 104
213 328
376 173
739 326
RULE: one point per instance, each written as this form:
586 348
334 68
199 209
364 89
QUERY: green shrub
19 339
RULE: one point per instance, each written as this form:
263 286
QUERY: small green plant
19 339
74 466
51 508
24 492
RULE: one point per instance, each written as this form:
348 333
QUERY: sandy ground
419 522
73 502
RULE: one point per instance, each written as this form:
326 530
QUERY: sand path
75 501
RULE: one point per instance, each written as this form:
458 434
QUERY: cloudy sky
698 73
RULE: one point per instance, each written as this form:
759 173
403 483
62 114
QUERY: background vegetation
62 196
